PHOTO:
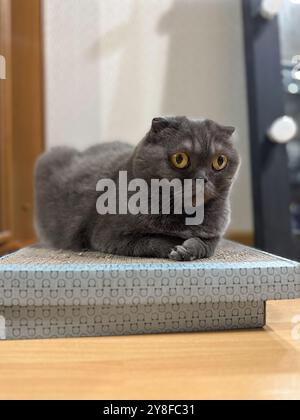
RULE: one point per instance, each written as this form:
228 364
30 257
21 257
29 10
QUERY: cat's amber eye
180 160
220 163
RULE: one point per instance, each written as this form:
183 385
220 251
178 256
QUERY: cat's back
105 157
65 188
65 165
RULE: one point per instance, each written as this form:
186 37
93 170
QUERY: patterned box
48 293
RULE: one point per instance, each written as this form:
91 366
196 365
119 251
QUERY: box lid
39 276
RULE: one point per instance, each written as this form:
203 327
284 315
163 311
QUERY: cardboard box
50 293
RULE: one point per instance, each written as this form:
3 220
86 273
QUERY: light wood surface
263 364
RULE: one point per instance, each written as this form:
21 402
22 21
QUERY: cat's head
177 147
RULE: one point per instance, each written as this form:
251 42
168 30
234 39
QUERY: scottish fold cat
174 148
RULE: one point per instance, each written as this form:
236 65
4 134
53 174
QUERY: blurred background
80 72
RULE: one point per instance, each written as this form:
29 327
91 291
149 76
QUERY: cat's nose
202 175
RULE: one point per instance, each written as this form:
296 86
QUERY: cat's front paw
190 250
181 253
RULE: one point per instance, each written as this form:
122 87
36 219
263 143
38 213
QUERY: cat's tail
50 176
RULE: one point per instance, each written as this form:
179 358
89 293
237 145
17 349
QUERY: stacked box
47 293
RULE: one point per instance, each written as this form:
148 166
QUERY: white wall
112 65
289 19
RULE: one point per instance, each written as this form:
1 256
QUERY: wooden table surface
263 364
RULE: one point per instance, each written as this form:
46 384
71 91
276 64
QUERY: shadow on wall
205 69
201 74
129 90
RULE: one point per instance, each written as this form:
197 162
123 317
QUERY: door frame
6 228
21 117
270 172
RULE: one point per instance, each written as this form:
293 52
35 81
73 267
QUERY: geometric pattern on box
82 321
50 293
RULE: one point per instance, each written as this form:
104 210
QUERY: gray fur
66 196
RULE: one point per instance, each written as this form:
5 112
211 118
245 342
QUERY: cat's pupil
221 161
179 159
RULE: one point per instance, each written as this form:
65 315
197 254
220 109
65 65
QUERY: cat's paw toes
181 253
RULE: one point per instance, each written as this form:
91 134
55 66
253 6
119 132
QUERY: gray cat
66 216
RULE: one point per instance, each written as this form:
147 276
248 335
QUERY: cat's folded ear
159 124
224 131
227 131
